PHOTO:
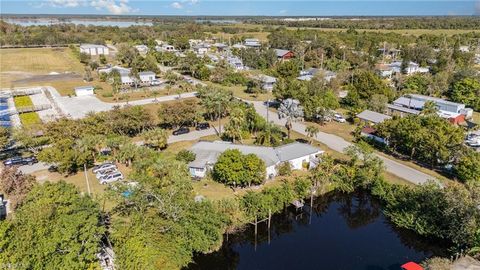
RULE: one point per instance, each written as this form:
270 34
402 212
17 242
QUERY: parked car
202 126
155 82
20 161
103 167
180 131
339 118
101 174
111 178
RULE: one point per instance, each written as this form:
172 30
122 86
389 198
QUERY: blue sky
243 7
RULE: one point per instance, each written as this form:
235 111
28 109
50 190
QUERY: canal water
346 231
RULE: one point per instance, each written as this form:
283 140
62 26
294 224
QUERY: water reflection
346 231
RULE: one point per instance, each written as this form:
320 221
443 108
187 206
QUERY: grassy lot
343 130
476 117
78 179
16 63
23 101
30 118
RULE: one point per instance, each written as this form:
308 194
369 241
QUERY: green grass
30 118
23 101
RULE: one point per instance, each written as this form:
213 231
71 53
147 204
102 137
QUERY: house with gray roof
296 154
371 117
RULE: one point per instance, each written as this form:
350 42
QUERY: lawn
23 101
30 118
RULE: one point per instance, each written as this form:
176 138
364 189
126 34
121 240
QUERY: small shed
84 91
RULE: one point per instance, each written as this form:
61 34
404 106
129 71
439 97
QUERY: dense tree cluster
429 139
236 169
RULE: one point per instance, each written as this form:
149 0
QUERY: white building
236 63
165 48
84 91
147 77
297 154
252 43
93 49
267 82
142 49
411 68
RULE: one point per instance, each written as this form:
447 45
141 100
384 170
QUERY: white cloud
176 5
116 7
65 3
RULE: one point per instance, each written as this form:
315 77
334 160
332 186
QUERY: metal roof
402 109
373 117
281 52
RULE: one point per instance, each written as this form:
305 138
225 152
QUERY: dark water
344 232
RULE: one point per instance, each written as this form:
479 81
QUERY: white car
339 118
117 176
105 172
104 167
155 82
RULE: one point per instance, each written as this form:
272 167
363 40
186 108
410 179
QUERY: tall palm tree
292 111
429 108
115 80
269 135
312 132
236 124
156 138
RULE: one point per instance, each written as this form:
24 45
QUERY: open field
25 62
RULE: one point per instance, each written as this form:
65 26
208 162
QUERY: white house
93 49
84 91
142 49
201 48
165 48
236 63
308 74
147 77
267 82
411 68
252 42
297 154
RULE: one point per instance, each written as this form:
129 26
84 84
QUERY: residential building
266 82
201 48
84 91
308 74
236 63
410 68
252 43
142 49
146 77
94 49
372 118
283 54
220 47
454 112
297 154
165 48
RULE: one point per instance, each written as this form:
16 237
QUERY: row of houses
144 78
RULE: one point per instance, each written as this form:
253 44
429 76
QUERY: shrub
284 169
233 168
185 156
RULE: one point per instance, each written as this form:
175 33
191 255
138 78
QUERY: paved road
339 144
78 107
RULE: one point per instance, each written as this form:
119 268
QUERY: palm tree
429 108
270 135
156 138
216 102
236 124
312 132
115 79
292 111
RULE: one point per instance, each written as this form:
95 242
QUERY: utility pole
86 178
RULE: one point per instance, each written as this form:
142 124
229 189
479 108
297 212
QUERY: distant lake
346 231
30 22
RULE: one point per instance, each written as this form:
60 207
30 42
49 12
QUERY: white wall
80 93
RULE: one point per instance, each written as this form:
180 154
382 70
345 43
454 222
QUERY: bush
284 169
185 156
107 94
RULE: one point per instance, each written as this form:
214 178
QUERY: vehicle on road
20 161
202 126
180 131
103 167
111 178
155 82
339 118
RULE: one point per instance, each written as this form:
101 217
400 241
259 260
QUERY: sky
244 7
